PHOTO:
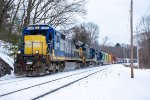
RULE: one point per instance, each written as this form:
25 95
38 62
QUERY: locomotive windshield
38 32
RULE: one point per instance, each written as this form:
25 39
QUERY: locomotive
44 50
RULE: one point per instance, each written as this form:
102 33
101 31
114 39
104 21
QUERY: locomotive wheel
42 67
77 66
61 66
51 68
57 67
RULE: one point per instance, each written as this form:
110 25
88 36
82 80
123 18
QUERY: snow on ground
112 84
4 47
3 55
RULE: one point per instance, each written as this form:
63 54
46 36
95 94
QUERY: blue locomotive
44 50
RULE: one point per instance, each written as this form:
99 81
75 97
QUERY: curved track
52 91
10 81
16 79
9 78
73 78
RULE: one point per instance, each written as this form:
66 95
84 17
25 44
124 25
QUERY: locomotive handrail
75 52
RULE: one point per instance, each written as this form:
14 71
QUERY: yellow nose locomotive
33 55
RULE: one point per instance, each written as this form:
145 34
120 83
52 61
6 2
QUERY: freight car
44 50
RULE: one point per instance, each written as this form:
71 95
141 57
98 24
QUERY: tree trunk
27 18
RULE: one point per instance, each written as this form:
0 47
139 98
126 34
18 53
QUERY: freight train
44 50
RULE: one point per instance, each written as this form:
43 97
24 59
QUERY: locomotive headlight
36 51
19 52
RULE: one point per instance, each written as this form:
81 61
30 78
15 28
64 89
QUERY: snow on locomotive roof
39 26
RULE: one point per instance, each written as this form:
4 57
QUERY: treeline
60 14
121 50
143 40
17 14
88 33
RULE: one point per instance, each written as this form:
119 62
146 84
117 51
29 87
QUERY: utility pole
131 30
138 57
137 50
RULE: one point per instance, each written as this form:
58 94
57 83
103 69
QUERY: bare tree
105 40
86 32
5 7
57 13
14 15
93 30
80 34
54 12
28 12
143 38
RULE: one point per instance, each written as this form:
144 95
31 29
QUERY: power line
144 16
147 11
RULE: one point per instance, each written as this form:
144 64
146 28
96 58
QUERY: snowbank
7 59
3 53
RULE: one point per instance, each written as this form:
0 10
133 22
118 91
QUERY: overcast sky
112 17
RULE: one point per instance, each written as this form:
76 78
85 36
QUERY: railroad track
14 79
4 83
8 81
61 87
78 77
9 78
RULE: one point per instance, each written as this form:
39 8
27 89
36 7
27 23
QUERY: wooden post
131 29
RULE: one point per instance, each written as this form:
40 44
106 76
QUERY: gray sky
112 16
